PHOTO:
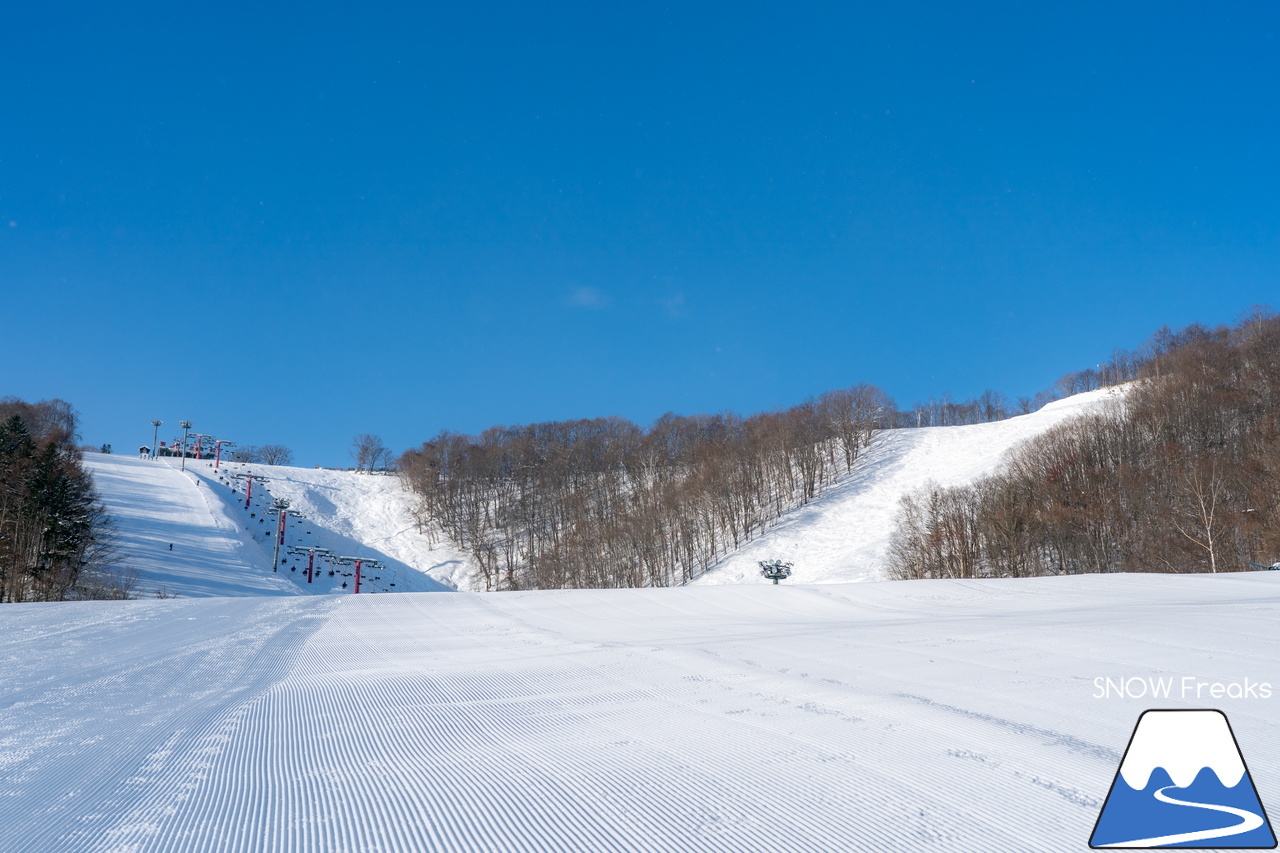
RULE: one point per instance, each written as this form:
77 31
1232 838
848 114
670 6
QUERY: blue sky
294 223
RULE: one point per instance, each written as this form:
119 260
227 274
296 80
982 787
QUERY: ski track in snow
813 716
154 506
220 549
930 715
843 535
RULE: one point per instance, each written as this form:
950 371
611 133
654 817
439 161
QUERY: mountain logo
1183 783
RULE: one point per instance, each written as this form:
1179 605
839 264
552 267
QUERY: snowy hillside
154 507
843 536
926 715
220 547
364 515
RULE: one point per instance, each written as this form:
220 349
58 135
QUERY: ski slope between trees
218 549
843 535
928 715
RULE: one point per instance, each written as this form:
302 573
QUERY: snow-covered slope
220 550
179 537
220 547
843 536
362 515
929 715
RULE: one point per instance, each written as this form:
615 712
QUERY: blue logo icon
1183 783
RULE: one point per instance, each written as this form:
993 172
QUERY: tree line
604 503
266 454
992 405
54 534
1181 474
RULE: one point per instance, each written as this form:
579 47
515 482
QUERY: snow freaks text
1187 687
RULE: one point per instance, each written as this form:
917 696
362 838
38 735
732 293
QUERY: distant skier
170 546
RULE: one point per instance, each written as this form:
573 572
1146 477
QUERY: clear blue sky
293 223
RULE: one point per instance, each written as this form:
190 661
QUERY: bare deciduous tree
368 451
246 453
602 503
274 454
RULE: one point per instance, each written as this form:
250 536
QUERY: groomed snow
843 536
931 715
180 538
221 548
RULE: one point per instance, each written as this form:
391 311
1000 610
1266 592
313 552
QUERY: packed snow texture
220 547
180 538
927 715
843 535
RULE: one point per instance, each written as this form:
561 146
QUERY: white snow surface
221 548
368 515
1183 743
843 535
154 506
908 716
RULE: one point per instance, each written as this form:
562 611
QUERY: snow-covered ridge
1183 743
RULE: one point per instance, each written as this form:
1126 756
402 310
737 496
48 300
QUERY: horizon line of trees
1182 475
265 454
991 405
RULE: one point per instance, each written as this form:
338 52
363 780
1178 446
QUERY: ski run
929 715
257 712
